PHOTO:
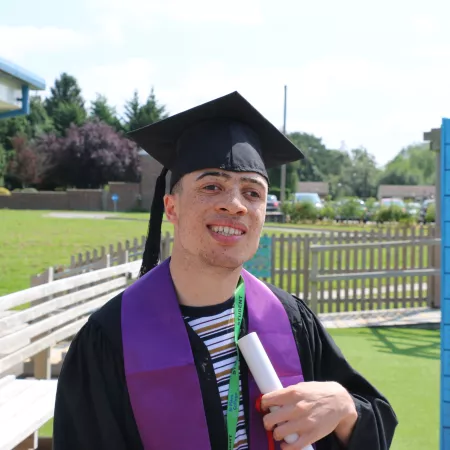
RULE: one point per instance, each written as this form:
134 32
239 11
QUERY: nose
232 203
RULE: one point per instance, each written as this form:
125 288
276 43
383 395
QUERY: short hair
176 187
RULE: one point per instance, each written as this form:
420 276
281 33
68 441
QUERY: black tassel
152 249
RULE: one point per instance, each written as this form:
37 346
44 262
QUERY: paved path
382 318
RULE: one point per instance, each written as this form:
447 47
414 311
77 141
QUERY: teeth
227 231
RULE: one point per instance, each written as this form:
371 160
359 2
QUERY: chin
225 261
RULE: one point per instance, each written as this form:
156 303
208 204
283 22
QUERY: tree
38 119
3 165
88 156
101 110
65 105
24 165
414 165
362 175
67 114
137 115
314 151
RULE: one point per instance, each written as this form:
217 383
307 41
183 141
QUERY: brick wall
150 170
128 196
41 200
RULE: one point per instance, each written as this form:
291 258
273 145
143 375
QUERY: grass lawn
30 242
403 364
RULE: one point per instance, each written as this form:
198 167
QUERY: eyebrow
227 177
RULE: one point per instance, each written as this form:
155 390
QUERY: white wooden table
25 405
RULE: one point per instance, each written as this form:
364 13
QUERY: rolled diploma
263 372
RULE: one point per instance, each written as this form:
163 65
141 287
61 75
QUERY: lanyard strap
233 390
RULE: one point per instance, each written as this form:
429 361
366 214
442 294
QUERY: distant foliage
25 165
89 156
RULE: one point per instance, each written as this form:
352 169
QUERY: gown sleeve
92 409
377 420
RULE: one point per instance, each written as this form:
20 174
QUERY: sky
372 74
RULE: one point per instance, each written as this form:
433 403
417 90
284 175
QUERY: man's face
218 215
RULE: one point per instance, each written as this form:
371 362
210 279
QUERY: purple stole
161 376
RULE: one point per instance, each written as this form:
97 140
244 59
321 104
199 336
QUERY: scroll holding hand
313 410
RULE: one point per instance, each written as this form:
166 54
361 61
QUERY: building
315 187
15 86
406 192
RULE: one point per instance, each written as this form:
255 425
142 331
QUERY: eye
254 194
210 187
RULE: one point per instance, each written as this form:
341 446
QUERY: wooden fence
291 261
377 275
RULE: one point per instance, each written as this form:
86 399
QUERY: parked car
424 208
387 202
273 205
309 197
413 208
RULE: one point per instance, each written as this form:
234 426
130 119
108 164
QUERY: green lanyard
233 391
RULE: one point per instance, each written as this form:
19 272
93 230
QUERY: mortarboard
227 133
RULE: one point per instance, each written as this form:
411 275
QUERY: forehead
227 175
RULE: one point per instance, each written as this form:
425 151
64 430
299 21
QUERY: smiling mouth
226 231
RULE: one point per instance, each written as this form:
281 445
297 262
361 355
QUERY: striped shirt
215 326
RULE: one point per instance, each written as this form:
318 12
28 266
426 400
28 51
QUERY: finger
289 427
280 415
278 398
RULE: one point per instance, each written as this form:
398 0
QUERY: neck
197 284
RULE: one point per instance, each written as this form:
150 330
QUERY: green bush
392 213
4 191
430 215
328 211
303 211
350 210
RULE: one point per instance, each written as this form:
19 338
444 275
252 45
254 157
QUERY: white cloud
25 40
425 24
118 81
113 17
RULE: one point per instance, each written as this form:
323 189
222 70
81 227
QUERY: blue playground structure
15 86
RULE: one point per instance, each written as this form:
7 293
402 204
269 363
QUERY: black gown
93 409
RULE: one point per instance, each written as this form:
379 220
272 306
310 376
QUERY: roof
33 81
316 187
392 190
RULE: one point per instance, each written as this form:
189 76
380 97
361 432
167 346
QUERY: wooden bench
49 314
25 406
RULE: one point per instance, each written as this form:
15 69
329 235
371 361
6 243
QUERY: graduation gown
93 409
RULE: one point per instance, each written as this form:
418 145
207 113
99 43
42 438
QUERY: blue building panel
446 336
446 186
445 365
446 393
445 205
445 286
446 415
445 444
447 260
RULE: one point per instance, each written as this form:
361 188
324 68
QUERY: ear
170 208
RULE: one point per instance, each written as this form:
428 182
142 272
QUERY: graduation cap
227 133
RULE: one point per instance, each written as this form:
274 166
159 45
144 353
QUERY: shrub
351 210
302 211
430 215
4 191
392 213
328 211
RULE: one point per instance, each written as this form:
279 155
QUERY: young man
158 366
